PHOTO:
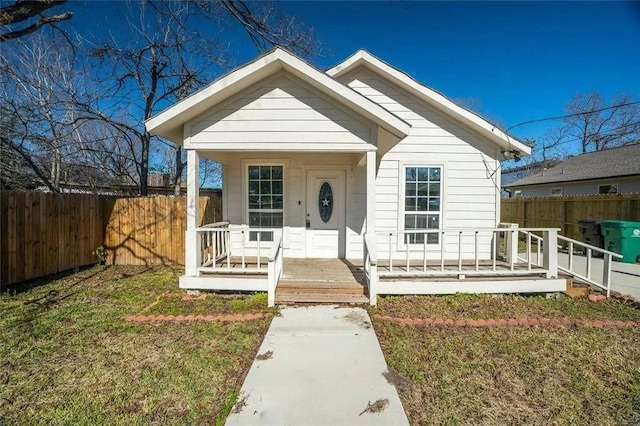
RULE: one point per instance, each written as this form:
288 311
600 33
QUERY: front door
325 213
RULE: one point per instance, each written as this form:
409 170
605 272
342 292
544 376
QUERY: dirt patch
395 379
377 407
358 318
242 402
265 356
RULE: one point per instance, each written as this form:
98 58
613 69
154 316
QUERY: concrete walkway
319 365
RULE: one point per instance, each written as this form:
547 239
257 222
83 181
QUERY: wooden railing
275 268
214 242
370 264
475 252
219 243
588 249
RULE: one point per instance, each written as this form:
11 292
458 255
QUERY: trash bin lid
620 224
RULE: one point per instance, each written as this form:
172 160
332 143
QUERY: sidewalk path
319 365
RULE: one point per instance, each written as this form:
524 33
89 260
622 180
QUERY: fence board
151 230
565 212
42 234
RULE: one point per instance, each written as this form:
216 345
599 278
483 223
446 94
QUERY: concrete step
321 298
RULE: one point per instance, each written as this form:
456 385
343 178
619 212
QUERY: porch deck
343 281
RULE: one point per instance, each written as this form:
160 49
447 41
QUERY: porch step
319 287
286 297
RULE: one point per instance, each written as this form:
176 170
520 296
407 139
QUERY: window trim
245 195
402 166
617 184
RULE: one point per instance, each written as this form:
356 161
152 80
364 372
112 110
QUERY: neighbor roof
533 166
431 97
614 162
169 123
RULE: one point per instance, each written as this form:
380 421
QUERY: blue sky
520 60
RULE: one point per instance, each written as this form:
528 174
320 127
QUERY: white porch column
371 194
371 226
192 250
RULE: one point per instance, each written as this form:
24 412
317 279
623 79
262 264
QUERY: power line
610 132
572 115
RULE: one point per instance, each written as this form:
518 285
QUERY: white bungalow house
360 163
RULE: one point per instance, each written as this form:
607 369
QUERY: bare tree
22 12
38 92
167 57
599 124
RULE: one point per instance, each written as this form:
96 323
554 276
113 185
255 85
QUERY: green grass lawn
574 375
68 357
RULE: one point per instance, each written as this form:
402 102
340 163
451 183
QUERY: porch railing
462 253
586 276
370 264
275 268
225 249
571 267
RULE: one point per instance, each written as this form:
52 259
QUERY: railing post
511 243
271 283
550 252
373 284
606 273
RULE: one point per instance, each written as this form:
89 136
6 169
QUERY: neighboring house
360 162
512 174
611 171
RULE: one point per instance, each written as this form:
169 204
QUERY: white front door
325 234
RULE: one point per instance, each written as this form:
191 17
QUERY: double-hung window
422 203
266 200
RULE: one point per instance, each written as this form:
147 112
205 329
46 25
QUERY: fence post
550 252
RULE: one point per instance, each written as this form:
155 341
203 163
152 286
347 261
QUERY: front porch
464 261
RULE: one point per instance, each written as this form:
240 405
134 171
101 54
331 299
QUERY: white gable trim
431 97
169 123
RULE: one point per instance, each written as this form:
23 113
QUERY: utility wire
610 132
572 115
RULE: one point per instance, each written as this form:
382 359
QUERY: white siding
467 160
296 165
282 113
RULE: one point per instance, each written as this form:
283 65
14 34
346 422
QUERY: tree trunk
177 189
144 164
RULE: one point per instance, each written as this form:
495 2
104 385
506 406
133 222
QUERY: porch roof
169 123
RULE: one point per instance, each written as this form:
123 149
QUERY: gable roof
613 162
169 123
432 98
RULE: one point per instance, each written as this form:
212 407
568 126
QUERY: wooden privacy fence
42 234
565 212
151 231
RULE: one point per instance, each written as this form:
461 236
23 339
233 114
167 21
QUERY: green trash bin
622 236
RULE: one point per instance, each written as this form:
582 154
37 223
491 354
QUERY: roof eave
169 123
